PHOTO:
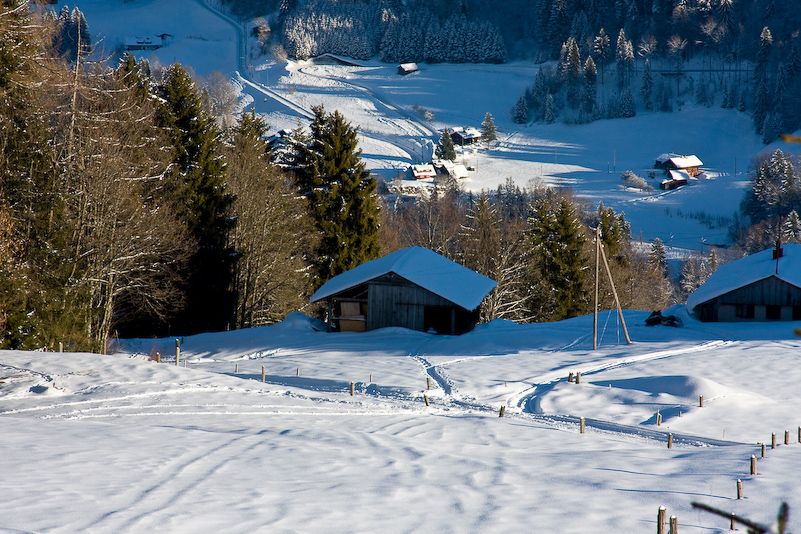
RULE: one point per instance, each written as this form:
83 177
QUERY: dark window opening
438 318
745 311
796 313
773 312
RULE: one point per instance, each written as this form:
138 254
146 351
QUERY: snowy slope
587 158
121 444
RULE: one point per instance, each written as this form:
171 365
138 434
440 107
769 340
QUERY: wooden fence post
503 411
661 521
158 357
739 489
731 525
701 401
674 524
262 373
753 465
786 437
428 382
658 418
298 372
670 441
61 346
578 377
570 378
177 352
352 389
236 369
425 398
773 440
582 425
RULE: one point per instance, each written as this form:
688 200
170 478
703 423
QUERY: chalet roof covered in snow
685 162
745 271
422 267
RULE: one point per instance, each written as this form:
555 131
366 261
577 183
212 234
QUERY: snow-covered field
122 444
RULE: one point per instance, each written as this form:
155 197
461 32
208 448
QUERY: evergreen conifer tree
345 204
488 134
201 201
520 111
445 149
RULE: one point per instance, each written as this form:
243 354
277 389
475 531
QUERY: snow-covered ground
123 444
588 158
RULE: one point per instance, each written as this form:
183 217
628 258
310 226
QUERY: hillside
122 444
588 158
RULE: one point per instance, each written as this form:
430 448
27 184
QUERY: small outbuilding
407 68
765 286
414 288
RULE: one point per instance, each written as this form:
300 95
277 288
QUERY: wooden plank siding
770 299
394 301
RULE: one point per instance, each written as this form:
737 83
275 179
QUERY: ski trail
548 379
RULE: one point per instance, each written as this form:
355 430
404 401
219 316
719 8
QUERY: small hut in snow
414 288
765 286
407 68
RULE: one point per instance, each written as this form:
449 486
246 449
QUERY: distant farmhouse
464 136
147 43
678 169
765 286
414 288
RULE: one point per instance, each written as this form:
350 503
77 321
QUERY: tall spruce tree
488 134
558 265
201 200
344 202
445 149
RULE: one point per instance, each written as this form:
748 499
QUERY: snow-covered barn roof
678 175
745 271
422 267
685 162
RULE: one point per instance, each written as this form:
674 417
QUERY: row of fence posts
662 522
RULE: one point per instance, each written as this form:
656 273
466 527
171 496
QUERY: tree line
127 209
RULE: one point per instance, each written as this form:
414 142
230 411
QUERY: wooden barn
765 286
414 288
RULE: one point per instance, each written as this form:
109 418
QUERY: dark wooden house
414 288
465 136
765 286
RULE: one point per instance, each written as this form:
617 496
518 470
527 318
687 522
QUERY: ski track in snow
527 400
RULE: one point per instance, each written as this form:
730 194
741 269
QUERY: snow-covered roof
423 171
422 267
678 175
753 268
685 162
458 171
